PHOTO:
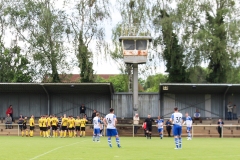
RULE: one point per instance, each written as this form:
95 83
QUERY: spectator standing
229 107
197 116
168 127
220 125
82 110
135 123
234 111
8 122
10 111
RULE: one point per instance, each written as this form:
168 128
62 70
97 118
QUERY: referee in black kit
149 121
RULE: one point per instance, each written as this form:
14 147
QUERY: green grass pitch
38 148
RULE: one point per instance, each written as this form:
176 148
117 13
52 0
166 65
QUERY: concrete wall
210 105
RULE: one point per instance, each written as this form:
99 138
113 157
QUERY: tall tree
86 25
173 53
42 27
219 38
14 67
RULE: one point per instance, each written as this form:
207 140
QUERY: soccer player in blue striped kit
176 120
96 126
188 123
160 122
110 120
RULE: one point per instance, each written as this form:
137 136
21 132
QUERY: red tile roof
76 77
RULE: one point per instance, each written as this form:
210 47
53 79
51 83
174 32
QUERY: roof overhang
191 88
78 88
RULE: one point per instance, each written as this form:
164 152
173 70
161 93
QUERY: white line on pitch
55 150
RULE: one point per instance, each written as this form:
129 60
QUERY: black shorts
31 128
40 128
24 127
54 128
149 128
64 128
82 128
77 128
48 127
44 129
71 129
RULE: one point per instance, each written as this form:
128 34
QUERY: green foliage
216 39
173 53
152 82
84 26
234 75
219 59
198 74
14 67
84 63
120 82
42 27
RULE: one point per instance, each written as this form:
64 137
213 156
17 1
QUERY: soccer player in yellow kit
49 124
54 122
24 128
77 126
31 123
40 125
83 126
70 126
44 126
64 126
73 128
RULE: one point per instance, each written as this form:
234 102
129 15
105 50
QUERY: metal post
47 97
135 87
224 101
192 131
133 129
222 132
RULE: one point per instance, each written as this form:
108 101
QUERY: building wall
208 105
70 103
148 104
23 103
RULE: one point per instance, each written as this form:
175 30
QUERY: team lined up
61 127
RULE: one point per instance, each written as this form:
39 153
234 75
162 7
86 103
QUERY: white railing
193 127
131 125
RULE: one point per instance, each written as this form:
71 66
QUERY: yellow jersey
40 122
49 121
70 123
77 122
31 122
54 121
44 122
73 122
83 122
64 121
